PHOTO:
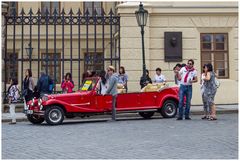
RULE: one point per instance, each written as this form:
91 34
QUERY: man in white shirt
159 78
187 75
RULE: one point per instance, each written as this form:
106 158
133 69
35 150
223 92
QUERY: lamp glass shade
141 16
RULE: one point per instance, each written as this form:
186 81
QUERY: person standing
85 75
187 75
67 84
148 80
13 96
210 89
44 84
123 77
112 89
176 69
206 107
102 85
28 87
159 77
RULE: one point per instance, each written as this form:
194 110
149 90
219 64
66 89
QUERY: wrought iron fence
44 29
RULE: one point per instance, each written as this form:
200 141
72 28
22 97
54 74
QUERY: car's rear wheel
54 115
146 115
169 109
35 119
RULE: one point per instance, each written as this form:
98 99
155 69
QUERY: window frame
51 57
213 52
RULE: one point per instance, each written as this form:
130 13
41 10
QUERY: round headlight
41 107
44 98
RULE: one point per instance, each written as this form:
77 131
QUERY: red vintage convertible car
85 102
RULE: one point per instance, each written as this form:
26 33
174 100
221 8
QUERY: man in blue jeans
187 75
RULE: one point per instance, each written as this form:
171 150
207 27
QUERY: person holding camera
67 84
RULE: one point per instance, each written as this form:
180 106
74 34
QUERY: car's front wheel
146 115
35 119
54 115
169 109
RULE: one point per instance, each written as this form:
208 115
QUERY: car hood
67 95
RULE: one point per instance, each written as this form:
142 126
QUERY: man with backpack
44 84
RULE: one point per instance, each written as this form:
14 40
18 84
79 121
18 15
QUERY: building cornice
182 7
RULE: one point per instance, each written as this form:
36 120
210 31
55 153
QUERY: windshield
88 84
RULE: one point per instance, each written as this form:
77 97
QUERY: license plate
29 111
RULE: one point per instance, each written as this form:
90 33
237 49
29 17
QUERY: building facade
208 33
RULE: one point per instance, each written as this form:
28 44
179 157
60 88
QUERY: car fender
168 94
168 97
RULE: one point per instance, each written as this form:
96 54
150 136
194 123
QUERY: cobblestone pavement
133 138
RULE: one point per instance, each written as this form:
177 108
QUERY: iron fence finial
30 12
22 12
79 12
87 12
39 11
71 12
63 12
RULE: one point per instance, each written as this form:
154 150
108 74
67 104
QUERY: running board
135 111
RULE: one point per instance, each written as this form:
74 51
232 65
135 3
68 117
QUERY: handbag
217 82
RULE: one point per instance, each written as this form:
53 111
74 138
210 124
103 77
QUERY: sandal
204 117
212 119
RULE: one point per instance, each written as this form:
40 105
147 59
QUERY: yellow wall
189 18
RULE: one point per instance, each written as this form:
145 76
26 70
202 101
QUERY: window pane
219 38
207 46
97 6
219 56
220 46
88 5
207 38
221 72
206 56
45 6
55 5
220 64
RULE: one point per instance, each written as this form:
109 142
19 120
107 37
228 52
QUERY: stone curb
130 115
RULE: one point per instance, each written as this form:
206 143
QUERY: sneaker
12 123
179 118
188 118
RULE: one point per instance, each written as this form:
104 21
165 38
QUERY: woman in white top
103 84
159 78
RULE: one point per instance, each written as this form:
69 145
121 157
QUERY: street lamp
142 16
29 50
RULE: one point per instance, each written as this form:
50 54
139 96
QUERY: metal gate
59 43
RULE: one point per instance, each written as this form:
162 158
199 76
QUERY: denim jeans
185 90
